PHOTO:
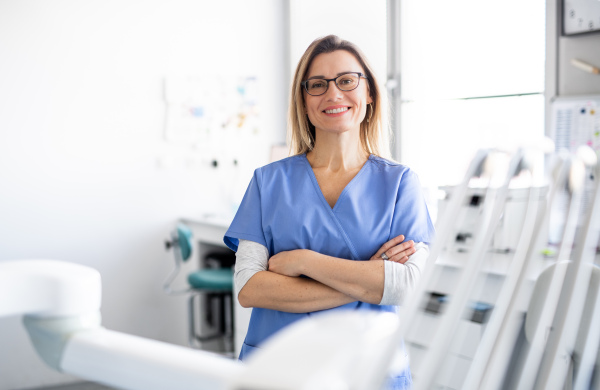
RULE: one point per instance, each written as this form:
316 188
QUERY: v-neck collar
315 182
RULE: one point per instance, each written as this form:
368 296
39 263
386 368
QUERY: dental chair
210 289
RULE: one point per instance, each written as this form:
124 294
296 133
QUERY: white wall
82 152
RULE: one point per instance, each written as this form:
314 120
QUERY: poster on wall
200 109
212 129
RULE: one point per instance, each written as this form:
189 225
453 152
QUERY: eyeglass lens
345 82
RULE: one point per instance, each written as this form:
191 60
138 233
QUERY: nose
332 90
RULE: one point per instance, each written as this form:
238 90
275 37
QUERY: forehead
330 64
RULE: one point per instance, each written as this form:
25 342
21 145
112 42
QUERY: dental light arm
61 306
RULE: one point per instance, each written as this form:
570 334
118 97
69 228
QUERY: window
472 76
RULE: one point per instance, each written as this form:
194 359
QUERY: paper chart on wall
205 110
213 130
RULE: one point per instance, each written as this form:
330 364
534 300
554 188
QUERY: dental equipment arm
61 306
60 302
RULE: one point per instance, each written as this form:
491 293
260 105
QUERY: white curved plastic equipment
42 286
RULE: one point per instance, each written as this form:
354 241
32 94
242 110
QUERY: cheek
312 109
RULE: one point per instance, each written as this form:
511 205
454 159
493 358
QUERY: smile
337 110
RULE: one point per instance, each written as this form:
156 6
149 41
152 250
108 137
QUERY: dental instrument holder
491 211
507 234
418 298
506 321
493 354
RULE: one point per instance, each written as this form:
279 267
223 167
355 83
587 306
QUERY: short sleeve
247 223
411 216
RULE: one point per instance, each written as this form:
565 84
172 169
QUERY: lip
336 107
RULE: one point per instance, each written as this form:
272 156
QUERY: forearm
361 280
256 287
375 281
269 290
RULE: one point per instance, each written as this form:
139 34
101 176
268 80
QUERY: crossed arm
333 281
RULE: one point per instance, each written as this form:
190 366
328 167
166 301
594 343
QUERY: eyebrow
323 77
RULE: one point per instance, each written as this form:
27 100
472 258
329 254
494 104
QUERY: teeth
337 110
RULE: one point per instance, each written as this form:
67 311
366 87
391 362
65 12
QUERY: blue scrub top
284 209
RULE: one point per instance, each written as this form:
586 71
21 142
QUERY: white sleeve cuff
250 258
401 279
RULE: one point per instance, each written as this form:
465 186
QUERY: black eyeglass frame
360 75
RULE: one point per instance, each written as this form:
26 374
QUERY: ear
369 99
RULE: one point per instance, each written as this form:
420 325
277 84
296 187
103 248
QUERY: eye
316 84
346 80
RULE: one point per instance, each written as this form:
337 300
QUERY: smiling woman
336 226
336 109
345 63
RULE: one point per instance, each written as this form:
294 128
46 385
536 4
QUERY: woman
307 221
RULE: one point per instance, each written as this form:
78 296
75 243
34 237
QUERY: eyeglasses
345 82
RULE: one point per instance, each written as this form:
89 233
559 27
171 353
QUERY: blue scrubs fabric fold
284 209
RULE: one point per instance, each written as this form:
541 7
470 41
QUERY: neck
337 151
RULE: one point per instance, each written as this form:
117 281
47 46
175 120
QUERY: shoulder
283 168
284 163
390 167
393 174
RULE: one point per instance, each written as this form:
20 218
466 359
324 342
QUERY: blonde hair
374 132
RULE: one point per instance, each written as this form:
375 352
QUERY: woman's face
336 111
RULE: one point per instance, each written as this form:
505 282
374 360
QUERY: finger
403 254
403 247
390 244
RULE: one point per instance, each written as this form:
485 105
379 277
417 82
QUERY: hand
396 250
287 263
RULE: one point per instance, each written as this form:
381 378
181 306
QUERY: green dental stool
210 288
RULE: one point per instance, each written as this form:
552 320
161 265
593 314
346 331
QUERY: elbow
244 300
377 297
372 297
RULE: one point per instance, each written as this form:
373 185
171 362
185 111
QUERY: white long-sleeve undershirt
399 279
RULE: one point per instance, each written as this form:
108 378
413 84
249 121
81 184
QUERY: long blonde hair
374 132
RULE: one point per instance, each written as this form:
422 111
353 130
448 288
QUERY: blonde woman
337 225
